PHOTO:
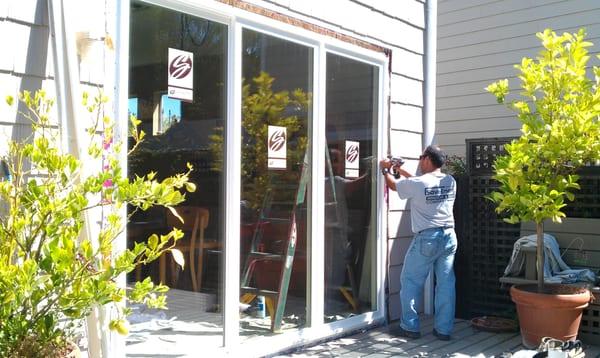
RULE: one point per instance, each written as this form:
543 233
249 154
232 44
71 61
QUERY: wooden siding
479 41
26 62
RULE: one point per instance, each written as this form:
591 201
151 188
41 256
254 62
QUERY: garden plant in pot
560 133
56 266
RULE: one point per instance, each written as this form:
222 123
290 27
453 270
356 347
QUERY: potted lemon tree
52 276
558 108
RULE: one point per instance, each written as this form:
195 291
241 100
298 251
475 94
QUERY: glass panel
179 119
276 108
351 133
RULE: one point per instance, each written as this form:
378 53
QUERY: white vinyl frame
237 20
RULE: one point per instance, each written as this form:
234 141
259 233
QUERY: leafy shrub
52 271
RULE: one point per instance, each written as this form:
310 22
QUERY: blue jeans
431 247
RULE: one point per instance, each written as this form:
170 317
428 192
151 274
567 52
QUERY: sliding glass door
307 252
177 89
276 113
352 104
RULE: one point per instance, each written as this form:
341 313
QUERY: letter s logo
180 67
277 140
352 153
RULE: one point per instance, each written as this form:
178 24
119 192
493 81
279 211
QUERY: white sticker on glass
352 159
181 75
277 147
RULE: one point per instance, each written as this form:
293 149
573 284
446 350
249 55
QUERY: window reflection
276 107
178 132
351 117
170 113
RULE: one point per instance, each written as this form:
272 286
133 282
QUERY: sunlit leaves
498 89
49 268
558 109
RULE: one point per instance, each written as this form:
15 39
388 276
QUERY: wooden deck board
591 351
488 343
394 345
508 345
460 345
466 342
461 330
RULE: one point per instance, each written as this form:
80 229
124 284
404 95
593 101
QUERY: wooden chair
195 222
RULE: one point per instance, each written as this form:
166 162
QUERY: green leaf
190 187
153 241
513 182
570 196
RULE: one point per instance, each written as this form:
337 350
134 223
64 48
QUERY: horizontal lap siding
27 64
478 43
24 63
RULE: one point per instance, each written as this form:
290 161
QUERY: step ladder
275 300
334 231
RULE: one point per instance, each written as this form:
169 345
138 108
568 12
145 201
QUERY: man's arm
390 180
386 165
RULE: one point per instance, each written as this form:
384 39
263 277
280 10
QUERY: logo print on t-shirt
438 194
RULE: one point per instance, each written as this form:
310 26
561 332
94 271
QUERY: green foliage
456 165
560 132
51 273
262 107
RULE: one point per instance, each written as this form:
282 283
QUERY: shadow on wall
36 59
405 222
402 233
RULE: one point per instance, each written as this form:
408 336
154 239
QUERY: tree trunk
539 228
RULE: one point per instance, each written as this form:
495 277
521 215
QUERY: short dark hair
436 155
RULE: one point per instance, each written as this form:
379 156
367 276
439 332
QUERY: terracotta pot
554 313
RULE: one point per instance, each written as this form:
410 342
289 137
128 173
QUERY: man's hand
385 163
388 164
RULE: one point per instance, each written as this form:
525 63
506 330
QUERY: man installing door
434 244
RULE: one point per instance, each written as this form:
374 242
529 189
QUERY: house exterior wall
26 62
479 41
397 26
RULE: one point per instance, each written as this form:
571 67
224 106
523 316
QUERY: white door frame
236 20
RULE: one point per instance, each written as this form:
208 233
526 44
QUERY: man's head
337 161
432 158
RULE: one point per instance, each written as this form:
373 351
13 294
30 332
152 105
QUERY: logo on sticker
352 153
180 67
277 140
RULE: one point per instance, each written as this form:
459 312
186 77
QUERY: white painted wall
26 56
479 41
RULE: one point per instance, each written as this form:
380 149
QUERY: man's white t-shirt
432 199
